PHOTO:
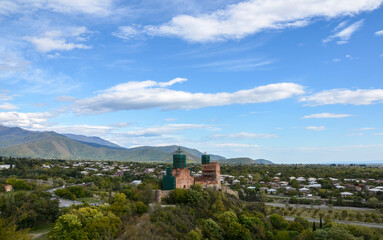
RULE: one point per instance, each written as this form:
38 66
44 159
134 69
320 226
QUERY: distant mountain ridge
94 140
244 160
18 142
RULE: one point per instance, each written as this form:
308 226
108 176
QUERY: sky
291 81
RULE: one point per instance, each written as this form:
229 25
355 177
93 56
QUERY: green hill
244 160
18 142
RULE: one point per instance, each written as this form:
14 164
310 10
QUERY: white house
271 191
346 194
317 185
301 179
136 182
304 190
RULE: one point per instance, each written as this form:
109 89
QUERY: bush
278 222
18 184
65 193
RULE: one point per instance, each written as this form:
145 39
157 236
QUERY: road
373 225
64 202
318 206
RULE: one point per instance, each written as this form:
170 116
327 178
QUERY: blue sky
292 81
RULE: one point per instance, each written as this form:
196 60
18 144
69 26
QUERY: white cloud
11 63
355 134
249 17
378 134
345 34
151 94
65 99
8 106
316 128
38 120
365 129
379 33
345 96
233 145
327 115
245 135
59 40
127 32
94 7
87 130
235 65
164 130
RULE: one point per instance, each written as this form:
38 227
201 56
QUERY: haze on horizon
291 81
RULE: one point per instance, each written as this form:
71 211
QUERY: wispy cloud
151 94
365 129
8 106
379 33
246 135
165 130
345 33
93 7
327 115
316 128
345 96
249 17
236 65
59 40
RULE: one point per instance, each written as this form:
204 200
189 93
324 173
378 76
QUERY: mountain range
18 142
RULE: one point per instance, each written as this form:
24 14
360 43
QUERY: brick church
179 176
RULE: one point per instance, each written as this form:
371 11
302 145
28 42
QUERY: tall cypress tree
314 226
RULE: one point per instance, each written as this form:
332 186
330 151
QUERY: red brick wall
183 178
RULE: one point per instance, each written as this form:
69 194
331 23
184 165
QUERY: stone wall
183 178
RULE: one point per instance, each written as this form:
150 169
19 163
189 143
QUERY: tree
141 207
195 235
332 234
65 193
212 230
68 226
294 183
227 218
78 191
38 207
372 202
314 226
282 235
122 206
18 184
8 231
178 195
86 224
278 222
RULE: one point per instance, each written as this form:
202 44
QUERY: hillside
244 160
18 142
91 140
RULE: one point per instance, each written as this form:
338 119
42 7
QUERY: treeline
317 171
